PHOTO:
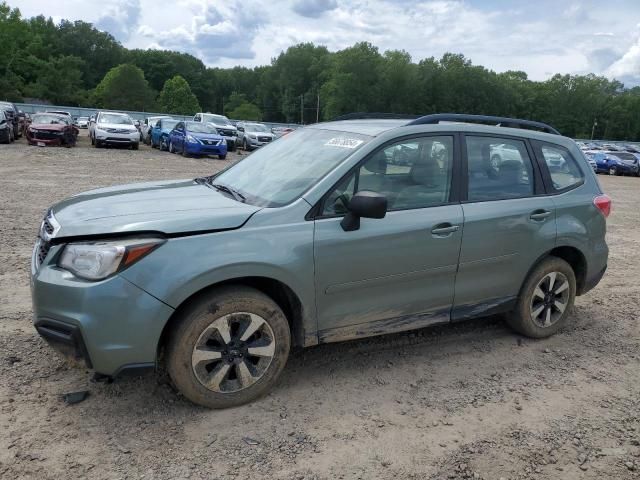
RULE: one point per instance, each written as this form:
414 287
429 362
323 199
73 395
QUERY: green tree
176 97
246 111
124 88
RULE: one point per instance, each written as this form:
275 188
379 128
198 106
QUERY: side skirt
491 307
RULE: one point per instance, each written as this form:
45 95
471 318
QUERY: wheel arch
570 254
283 295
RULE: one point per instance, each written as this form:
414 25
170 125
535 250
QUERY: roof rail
374 116
497 121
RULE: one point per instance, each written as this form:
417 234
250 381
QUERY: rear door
398 272
509 222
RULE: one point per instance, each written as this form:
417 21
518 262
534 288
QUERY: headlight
98 260
251 135
191 139
223 141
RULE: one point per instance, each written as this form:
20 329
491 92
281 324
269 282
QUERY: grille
40 252
210 142
226 132
47 227
43 135
117 130
264 139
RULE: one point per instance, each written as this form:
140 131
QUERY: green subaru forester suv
336 231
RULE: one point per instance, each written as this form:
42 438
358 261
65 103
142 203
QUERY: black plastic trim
65 338
591 282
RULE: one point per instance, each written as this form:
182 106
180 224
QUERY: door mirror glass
364 204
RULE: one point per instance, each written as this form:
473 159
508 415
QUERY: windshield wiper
224 188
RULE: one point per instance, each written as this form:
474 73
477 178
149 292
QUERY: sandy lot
472 400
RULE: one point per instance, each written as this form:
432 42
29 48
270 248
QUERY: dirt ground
472 400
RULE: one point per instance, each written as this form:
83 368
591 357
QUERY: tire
184 152
7 138
161 144
245 145
242 306
93 140
222 157
523 319
135 146
171 149
613 171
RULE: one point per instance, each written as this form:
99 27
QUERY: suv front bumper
111 324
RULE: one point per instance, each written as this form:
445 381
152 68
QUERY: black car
11 113
6 129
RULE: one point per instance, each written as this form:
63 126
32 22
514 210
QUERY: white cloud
541 38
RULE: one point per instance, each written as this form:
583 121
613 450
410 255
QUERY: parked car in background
6 129
11 114
113 128
49 128
252 135
281 131
318 239
197 138
160 133
147 126
223 125
615 163
82 122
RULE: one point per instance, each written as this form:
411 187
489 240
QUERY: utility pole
593 129
318 110
302 109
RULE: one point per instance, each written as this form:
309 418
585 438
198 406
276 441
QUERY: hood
117 126
226 126
170 207
57 127
207 136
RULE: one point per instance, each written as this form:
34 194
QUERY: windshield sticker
344 142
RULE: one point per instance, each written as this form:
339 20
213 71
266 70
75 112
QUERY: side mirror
364 204
241 129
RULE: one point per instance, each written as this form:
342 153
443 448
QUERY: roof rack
497 121
374 116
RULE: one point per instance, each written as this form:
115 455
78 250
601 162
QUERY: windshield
168 123
49 119
209 117
115 118
282 171
197 127
256 127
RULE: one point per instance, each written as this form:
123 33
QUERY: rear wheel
545 300
228 347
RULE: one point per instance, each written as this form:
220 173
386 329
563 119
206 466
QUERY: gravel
465 401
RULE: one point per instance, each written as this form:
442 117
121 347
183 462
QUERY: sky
540 37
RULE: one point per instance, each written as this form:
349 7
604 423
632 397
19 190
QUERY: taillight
603 203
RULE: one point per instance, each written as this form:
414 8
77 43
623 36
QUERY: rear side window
563 168
498 168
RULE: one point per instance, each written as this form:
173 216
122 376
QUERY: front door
398 272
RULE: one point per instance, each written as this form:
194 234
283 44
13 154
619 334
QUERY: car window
413 173
498 168
562 166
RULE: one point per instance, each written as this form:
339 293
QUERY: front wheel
222 157
228 347
171 147
613 171
135 146
545 300
162 145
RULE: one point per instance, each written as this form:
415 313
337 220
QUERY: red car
51 129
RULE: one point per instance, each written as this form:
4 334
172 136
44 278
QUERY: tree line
73 63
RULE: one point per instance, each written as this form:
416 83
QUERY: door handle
444 230
539 215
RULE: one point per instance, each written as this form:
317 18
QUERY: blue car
615 163
160 133
196 138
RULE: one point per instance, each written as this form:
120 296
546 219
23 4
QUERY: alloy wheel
550 299
233 352
613 171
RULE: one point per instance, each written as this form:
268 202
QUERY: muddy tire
228 347
545 300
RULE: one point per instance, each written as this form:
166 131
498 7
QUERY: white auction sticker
344 142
